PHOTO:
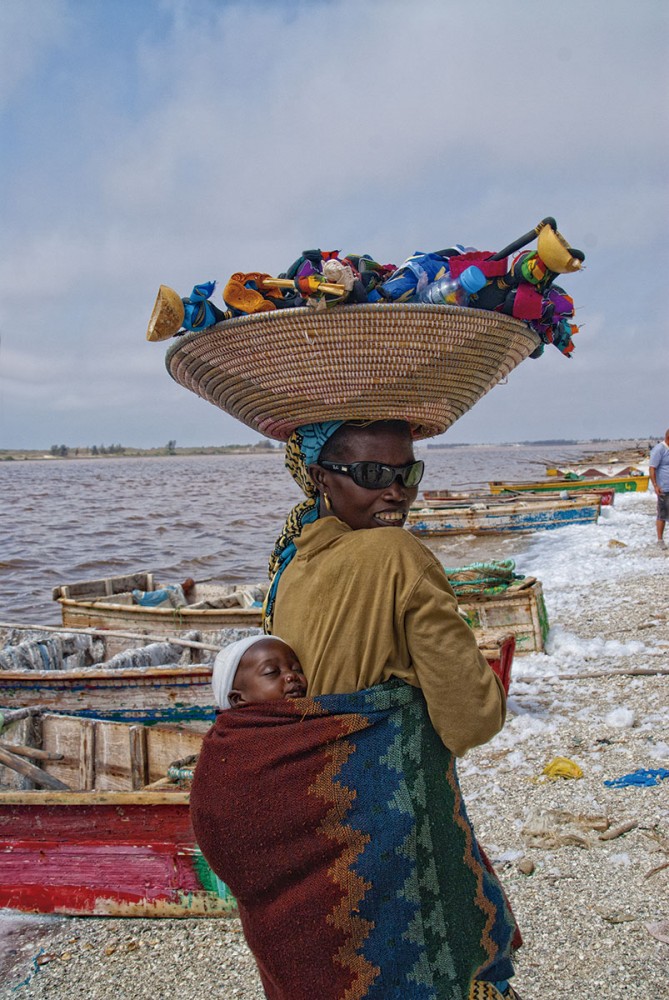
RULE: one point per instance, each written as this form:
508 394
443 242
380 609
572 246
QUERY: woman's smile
394 518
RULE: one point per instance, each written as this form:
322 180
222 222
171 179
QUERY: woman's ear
317 475
236 698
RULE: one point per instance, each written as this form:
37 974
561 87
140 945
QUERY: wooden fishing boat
147 695
439 498
109 603
619 470
174 693
495 518
622 484
518 610
89 823
145 682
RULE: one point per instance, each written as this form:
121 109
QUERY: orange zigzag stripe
354 887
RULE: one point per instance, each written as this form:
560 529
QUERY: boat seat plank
105 587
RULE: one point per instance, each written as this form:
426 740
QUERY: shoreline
627 448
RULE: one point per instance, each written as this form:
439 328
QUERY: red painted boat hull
110 857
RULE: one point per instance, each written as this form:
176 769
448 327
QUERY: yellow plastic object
167 316
555 252
562 767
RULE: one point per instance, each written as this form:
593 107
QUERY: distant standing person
659 476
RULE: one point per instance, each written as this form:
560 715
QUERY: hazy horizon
278 445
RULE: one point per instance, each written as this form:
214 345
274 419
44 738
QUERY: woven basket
423 363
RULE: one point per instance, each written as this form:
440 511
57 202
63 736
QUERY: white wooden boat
496 517
177 692
143 681
518 610
109 603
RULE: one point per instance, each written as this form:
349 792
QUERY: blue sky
162 141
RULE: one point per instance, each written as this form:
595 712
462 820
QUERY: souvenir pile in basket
345 337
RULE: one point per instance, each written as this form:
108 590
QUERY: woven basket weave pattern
426 364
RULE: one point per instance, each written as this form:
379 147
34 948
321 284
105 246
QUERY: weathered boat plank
118 857
520 610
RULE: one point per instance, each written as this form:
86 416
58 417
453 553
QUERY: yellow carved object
167 316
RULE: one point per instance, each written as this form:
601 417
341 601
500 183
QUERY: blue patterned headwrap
303 449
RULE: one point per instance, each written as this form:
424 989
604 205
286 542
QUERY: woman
361 606
337 820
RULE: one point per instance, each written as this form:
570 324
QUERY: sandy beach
585 865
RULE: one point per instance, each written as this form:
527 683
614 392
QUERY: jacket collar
320 534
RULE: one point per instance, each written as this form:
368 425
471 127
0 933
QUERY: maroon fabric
248 861
527 303
481 258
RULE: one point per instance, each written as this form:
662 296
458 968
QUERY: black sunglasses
376 475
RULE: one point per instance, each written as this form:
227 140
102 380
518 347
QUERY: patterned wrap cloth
303 449
339 825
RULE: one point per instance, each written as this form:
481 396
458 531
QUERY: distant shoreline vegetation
61 452
547 442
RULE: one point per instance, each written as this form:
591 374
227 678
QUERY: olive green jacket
360 607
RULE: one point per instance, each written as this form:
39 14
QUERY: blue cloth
171 595
416 273
198 312
303 449
659 460
643 776
314 437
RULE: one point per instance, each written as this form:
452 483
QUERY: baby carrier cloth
339 825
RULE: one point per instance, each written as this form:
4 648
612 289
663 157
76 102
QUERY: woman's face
359 507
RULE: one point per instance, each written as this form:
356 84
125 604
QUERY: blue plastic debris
643 776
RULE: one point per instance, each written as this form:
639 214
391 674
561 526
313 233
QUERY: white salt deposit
660 751
574 559
621 718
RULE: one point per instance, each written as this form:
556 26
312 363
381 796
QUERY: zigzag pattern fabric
339 825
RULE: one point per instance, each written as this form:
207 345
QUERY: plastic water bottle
448 291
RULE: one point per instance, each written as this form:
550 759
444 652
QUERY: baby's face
268 670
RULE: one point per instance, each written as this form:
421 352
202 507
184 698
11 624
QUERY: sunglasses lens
414 474
372 475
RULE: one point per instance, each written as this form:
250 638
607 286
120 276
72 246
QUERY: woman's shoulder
389 542
366 545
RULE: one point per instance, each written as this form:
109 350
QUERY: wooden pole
7 718
630 672
22 751
34 774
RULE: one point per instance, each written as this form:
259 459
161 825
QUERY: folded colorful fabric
338 824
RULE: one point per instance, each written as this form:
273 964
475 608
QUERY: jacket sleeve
464 696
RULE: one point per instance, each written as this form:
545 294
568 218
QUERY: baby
258 668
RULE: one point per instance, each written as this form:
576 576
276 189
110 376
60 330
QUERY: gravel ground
590 909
